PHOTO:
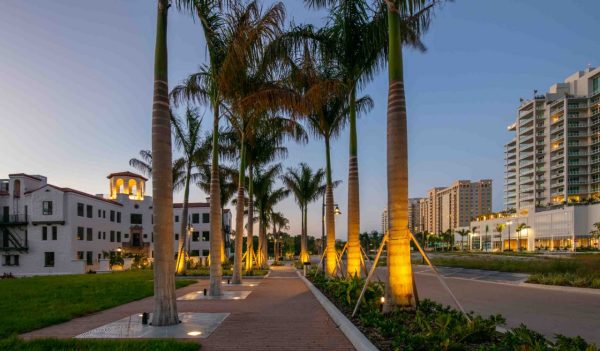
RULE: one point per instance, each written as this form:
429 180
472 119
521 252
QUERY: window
112 236
176 219
11 260
47 208
103 214
195 218
90 234
119 237
48 259
103 235
136 218
80 255
195 236
195 253
112 215
80 209
206 218
205 236
44 233
79 233
176 236
54 233
125 235
118 217
89 258
596 85
99 235
99 213
205 253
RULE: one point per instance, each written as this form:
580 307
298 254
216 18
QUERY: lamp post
508 223
336 211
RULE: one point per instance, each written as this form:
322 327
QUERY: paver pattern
280 314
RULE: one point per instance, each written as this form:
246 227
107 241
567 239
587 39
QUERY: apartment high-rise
555 155
414 215
455 206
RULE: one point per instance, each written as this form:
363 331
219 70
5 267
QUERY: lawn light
204 291
381 303
145 317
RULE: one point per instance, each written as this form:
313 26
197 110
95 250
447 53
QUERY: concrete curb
570 289
355 336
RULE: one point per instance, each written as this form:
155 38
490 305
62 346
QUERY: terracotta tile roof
126 174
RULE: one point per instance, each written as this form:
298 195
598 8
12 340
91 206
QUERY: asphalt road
566 311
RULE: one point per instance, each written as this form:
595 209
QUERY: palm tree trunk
400 278
165 306
181 262
216 235
329 220
262 244
302 234
305 236
250 230
239 220
224 257
353 262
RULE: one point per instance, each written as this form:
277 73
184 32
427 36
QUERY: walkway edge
571 289
355 336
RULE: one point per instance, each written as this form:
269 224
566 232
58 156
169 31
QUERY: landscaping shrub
432 326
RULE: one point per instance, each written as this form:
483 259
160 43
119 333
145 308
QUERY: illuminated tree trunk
331 258
239 220
181 255
400 278
216 221
303 249
353 263
165 306
250 230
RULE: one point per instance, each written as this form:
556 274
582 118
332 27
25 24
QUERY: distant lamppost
508 223
336 211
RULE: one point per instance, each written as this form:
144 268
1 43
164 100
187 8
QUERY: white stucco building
562 228
47 229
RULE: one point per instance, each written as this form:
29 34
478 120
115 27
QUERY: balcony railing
13 219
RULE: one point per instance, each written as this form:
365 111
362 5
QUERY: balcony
13 220
9 241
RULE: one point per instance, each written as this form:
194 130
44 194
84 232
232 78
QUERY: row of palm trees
262 80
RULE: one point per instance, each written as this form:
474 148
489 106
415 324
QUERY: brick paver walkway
280 314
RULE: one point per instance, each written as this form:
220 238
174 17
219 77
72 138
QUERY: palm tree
165 305
266 199
356 38
227 189
306 186
407 21
278 222
519 228
204 86
499 229
188 138
462 233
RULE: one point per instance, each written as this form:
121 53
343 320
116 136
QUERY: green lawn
581 270
31 303
16 344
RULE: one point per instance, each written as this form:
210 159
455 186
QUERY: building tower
127 183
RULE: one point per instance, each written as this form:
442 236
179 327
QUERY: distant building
384 221
47 229
414 215
555 154
455 206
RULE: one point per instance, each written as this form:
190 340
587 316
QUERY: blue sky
76 91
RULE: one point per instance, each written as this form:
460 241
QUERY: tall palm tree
356 39
266 198
165 305
407 21
306 185
499 229
326 120
188 137
204 86
519 228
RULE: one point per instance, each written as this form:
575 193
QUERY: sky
76 91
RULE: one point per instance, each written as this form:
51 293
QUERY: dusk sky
76 91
